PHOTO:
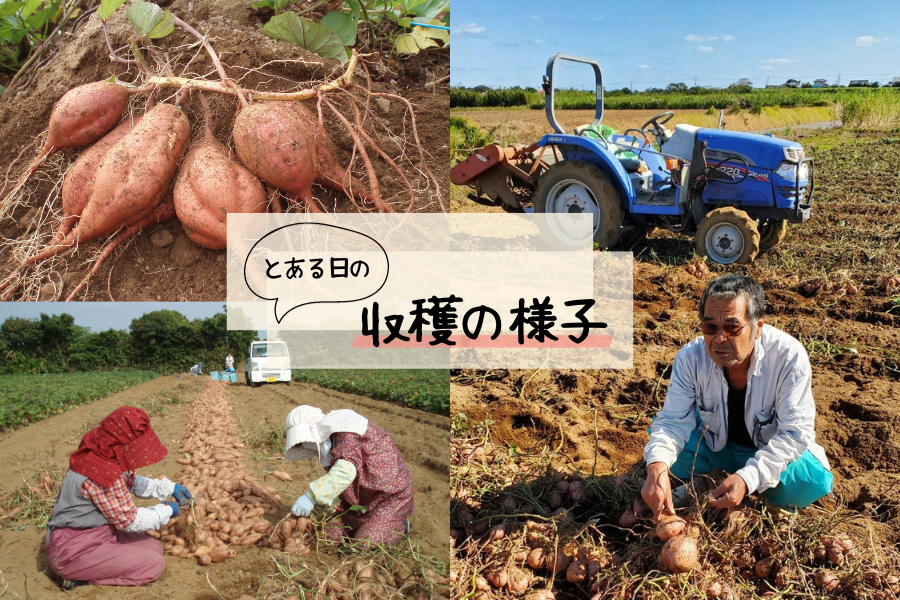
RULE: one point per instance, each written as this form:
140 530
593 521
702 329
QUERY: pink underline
503 341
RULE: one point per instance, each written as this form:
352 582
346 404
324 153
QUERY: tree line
164 341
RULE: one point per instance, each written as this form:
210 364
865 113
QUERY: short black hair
729 287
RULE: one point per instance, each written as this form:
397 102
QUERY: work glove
302 507
182 495
173 506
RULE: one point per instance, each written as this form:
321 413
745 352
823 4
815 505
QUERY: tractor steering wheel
655 124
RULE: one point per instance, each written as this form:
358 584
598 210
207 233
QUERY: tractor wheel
727 235
771 233
576 187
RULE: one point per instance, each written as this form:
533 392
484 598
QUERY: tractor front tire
727 235
577 186
771 233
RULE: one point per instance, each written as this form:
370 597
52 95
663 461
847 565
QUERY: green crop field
28 398
752 100
425 389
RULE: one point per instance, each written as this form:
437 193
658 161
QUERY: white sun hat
309 424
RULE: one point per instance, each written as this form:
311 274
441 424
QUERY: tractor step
654 201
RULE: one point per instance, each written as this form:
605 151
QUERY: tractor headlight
789 171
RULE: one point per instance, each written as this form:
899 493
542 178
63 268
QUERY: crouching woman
95 534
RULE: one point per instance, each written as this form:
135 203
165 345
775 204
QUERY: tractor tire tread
736 217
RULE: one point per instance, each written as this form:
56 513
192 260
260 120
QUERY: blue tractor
735 192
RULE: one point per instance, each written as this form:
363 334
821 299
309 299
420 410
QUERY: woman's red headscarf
124 441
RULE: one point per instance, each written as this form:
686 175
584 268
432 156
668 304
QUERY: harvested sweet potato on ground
81 117
209 186
132 179
78 183
277 146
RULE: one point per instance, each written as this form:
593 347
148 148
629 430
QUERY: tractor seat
628 160
681 143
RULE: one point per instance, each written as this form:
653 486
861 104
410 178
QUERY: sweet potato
208 187
132 179
78 183
277 146
82 116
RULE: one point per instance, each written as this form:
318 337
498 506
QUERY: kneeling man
740 399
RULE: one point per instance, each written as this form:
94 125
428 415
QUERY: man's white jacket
779 410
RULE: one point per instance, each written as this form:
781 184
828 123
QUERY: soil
422 439
170 267
833 283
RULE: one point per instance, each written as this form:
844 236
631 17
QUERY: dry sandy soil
422 439
834 283
162 263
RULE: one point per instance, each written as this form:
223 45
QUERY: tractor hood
762 151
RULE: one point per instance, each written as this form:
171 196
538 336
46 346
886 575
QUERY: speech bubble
315 263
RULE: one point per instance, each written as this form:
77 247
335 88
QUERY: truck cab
267 362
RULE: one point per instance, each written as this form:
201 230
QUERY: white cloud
535 17
767 67
468 29
704 48
700 38
867 40
643 67
727 38
540 41
778 61
597 20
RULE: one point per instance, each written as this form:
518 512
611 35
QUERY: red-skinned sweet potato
82 116
276 146
210 185
78 183
132 178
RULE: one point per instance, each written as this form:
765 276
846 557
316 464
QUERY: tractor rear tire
554 194
771 233
727 235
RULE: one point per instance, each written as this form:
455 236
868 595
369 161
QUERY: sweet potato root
210 185
164 212
328 172
132 178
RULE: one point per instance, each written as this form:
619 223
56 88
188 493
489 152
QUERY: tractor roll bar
548 88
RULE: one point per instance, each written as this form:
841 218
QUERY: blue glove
173 506
302 507
182 495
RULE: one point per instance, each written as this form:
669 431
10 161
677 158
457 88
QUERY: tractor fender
589 149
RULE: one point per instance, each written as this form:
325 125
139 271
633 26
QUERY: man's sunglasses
730 329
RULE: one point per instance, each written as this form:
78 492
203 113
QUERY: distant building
820 83
858 83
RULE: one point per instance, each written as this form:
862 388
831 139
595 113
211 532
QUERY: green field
425 389
28 398
753 100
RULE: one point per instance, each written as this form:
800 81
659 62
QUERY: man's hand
730 493
657 491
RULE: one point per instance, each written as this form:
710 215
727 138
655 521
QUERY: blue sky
651 44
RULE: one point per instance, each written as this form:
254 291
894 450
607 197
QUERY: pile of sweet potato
124 181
